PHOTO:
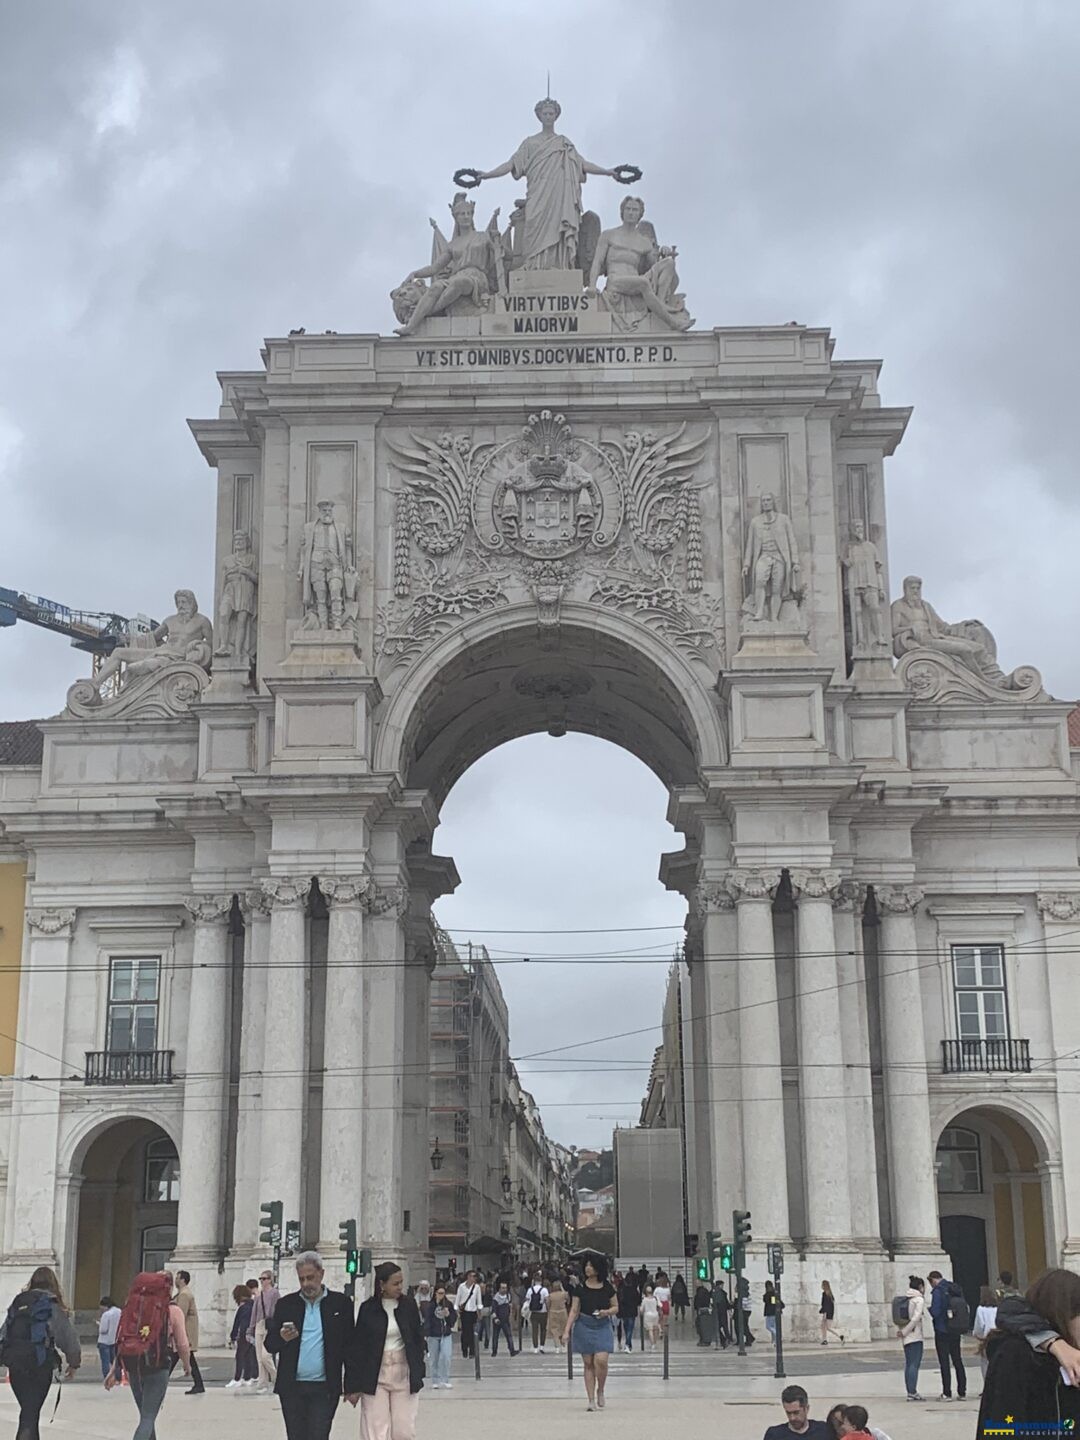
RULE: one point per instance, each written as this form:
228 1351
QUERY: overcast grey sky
179 181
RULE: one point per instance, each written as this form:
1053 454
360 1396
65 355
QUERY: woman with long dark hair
590 1328
1024 1382
31 1363
390 1341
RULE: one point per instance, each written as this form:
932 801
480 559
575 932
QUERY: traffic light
713 1246
363 1262
743 1287
727 1258
270 1213
703 1269
690 1244
347 1235
352 1261
741 1219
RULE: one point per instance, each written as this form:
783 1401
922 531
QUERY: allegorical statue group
548 230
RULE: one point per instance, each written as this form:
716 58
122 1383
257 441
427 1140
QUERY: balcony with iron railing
985 1057
129 1067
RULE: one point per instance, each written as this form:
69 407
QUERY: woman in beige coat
558 1309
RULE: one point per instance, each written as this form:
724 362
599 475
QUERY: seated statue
185 636
916 625
641 275
464 268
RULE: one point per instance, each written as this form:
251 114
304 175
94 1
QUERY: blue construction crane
96 631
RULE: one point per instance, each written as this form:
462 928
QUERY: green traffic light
352 1262
703 1270
727 1257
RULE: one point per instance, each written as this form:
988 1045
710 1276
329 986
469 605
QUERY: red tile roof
21 742
1074 729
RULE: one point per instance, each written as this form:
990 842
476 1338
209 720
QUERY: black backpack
26 1340
957 1311
536 1298
901 1310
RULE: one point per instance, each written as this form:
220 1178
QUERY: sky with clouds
177 182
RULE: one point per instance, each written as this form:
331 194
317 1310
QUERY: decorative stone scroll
898 899
1059 905
711 898
208 909
815 884
387 900
164 694
285 893
944 663
614 522
753 885
50 920
342 891
849 896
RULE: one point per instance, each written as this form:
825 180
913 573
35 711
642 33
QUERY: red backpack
142 1337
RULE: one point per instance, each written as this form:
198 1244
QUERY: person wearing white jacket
912 1335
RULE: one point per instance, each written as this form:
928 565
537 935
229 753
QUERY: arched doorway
128 1198
992 1198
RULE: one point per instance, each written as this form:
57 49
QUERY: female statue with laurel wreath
554 173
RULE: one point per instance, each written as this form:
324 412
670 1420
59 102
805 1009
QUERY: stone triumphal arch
548 504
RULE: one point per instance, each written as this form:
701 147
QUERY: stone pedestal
777 715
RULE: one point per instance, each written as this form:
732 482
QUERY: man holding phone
312 1335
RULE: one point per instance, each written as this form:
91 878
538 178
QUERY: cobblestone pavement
709 1394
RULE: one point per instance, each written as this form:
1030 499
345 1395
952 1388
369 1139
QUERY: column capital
48 920
710 896
284 892
898 899
208 909
850 896
345 891
815 884
386 900
1059 904
752 885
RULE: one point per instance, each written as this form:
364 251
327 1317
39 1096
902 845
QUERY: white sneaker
535 1350
233 1384
262 1389
542 1350
250 1384
448 1385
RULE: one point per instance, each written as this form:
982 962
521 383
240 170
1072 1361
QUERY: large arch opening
128 1192
993 1197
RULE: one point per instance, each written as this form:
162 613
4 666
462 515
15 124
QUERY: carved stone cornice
285 893
344 891
898 899
386 900
752 885
850 896
48 920
1059 904
208 909
815 884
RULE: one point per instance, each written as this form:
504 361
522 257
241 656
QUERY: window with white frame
959 1162
134 996
161 1173
979 982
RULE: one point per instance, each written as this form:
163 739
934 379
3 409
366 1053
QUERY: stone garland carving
49 920
552 511
239 602
387 900
283 893
710 898
898 899
755 884
943 663
208 909
849 896
1059 905
815 884
346 890
158 676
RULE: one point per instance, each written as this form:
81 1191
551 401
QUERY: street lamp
521 1194
437 1156
507 1186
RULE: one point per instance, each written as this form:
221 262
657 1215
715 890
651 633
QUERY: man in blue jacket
946 1342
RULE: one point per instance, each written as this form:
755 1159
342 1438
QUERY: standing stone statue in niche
465 268
185 636
239 592
770 562
554 173
866 590
327 573
641 276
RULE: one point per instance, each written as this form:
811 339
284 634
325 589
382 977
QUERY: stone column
202 1142
33 1233
821 1062
909 1135
384 1029
714 987
764 1144
1060 913
344 1057
285 1060
848 902
246 1195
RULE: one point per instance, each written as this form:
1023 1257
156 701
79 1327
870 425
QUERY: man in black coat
311 1334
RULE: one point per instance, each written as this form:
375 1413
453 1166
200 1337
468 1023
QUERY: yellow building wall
12 908
1003 1215
1034 1228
